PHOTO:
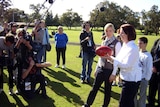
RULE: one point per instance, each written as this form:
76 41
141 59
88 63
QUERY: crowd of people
136 66
26 54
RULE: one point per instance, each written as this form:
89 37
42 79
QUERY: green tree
151 20
113 13
49 19
70 19
56 20
36 14
4 6
154 16
14 14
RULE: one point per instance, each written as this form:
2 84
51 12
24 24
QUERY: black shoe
149 105
88 81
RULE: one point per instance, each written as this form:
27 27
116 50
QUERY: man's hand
112 78
44 64
154 70
48 64
27 43
20 39
87 38
32 63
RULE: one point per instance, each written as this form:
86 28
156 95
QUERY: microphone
102 9
50 1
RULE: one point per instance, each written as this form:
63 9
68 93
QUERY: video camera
25 35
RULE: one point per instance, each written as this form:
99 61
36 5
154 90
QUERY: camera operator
13 28
45 40
22 49
6 49
38 34
30 78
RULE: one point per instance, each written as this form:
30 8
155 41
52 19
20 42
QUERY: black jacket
84 43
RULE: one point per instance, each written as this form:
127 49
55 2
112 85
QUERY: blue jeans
40 54
87 60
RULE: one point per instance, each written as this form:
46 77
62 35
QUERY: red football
103 50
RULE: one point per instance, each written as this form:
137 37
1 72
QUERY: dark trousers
19 77
154 86
10 72
129 90
61 51
102 76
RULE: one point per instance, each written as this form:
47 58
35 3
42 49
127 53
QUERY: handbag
48 46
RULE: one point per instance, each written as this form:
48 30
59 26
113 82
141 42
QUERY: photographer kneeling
30 78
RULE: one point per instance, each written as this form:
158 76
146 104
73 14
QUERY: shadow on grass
18 101
78 75
61 76
114 95
60 89
37 101
4 101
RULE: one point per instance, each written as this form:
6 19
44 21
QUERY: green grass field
64 88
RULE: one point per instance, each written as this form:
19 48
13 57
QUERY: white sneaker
1 90
56 66
63 66
11 91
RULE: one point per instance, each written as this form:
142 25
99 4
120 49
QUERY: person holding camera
6 57
38 35
30 78
21 49
88 51
46 41
13 28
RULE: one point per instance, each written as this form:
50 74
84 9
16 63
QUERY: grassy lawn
64 88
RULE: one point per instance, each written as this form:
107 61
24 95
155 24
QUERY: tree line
146 21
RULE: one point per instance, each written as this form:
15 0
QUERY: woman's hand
112 78
108 57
